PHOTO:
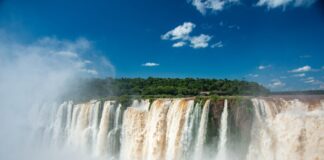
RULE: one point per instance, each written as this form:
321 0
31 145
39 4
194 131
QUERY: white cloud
276 84
150 64
283 3
314 82
300 75
302 69
263 67
212 5
68 54
179 44
217 45
180 32
310 80
200 41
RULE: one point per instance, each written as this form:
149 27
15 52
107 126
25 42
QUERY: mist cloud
35 73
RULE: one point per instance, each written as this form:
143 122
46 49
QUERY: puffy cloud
310 80
283 3
180 32
179 44
150 64
276 83
200 41
217 45
302 69
263 67
300 75
182 35
212 5
314 82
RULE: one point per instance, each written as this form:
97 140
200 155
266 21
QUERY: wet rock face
240 123
216 109
215 112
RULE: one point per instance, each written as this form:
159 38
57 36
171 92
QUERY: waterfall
221 154
104 126
182 129
133 134
177 121
201 137
113 138
155 137
287 130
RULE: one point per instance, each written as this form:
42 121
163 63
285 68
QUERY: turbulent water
271 128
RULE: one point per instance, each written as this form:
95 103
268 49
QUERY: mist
34 74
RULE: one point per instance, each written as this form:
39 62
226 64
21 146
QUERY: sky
277 43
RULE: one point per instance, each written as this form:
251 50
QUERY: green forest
162 87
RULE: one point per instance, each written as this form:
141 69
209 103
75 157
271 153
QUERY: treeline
306 92
99 88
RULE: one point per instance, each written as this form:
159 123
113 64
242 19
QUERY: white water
201 137
221 154
105 124
175 129
287 130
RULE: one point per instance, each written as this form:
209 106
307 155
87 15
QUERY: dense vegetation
306 92
163 87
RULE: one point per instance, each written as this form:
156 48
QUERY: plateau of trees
162 87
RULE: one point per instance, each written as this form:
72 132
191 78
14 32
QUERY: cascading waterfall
221 154
155 141
182 129
287 130
201 136
114 135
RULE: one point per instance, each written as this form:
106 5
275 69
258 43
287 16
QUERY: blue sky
278 43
